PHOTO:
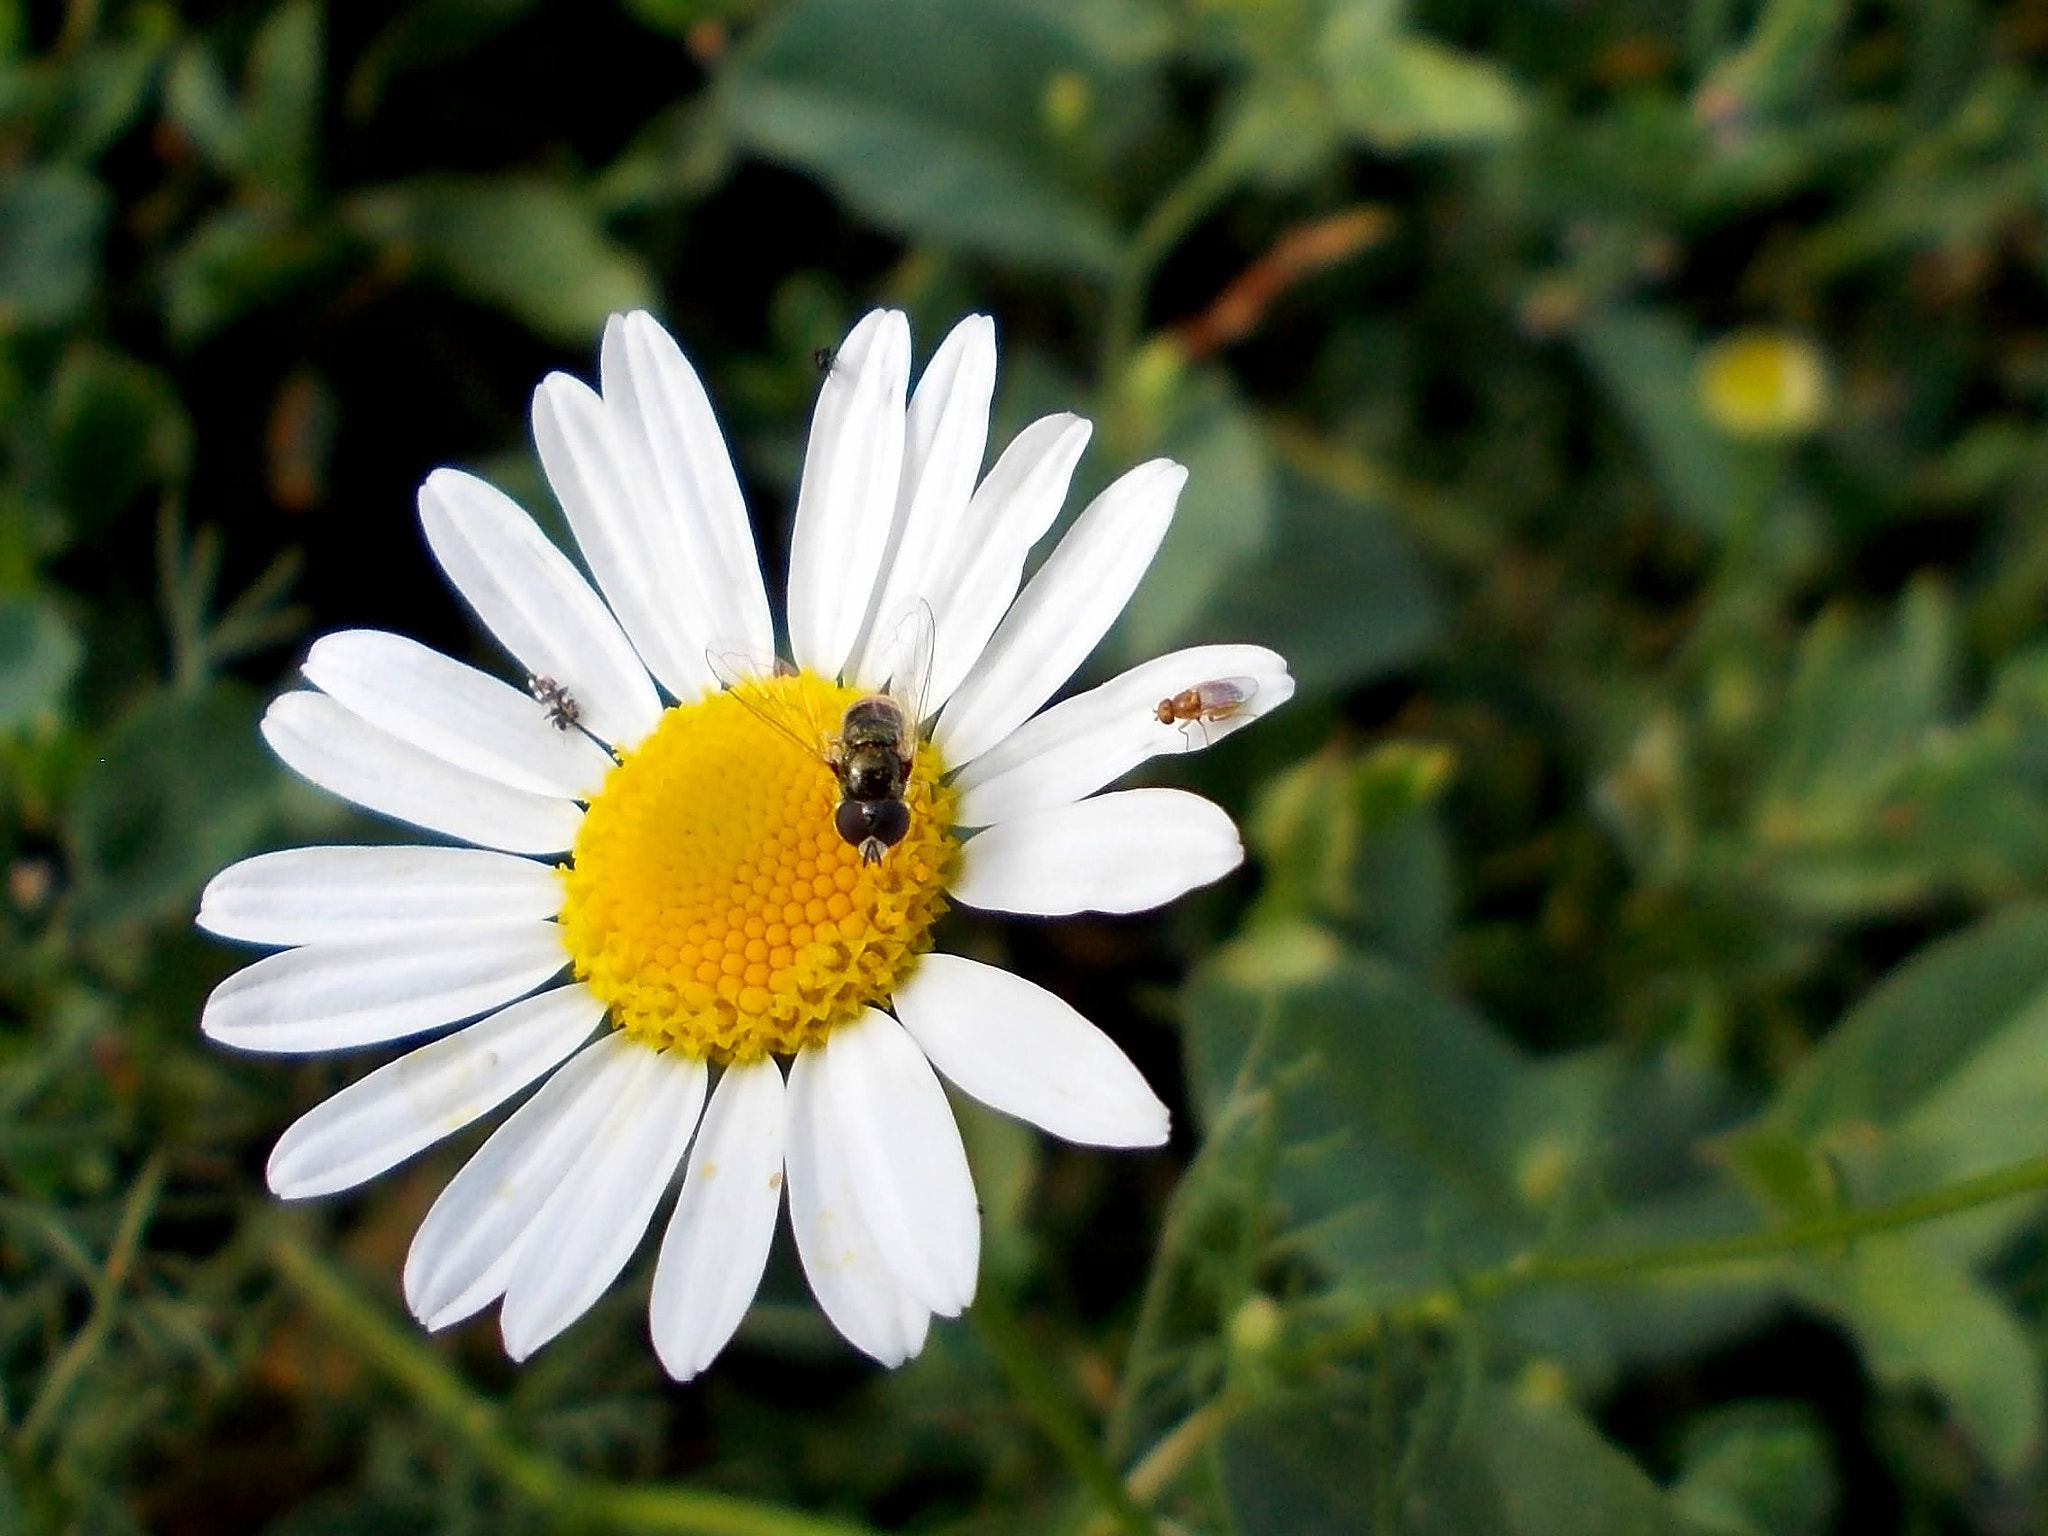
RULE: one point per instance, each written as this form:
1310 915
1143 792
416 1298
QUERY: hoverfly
1218 699
875 744
562 709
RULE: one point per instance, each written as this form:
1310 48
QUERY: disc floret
712 905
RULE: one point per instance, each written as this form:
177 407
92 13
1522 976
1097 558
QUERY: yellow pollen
712 904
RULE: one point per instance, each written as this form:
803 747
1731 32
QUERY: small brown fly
1194 707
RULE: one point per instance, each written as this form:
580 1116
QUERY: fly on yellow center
714 907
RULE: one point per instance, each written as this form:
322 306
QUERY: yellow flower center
712 904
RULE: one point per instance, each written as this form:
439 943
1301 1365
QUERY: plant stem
573 1498
1156 1471
107 1286
1052 1411
1246 1101
1151 1321
1185 204
1530 1271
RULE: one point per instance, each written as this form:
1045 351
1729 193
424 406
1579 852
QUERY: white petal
594 1220
1121 852
608 492
847 498
903 1154
861 1297
1019 1049
411 1103
913 1323
945 434
1067 607
662 409
462 1253
525 591
320 739
974 575
322 895
332 997
717 1241
1083 743
457 713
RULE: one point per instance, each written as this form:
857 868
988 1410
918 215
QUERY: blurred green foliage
1614 1099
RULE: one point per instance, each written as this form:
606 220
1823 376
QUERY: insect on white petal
1217 699
558 701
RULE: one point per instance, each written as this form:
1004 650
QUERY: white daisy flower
682 864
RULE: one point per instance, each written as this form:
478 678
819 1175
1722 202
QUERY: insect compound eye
889 820
854 820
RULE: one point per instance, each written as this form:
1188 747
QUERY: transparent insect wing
1194 708
1225 696
749 677
907 661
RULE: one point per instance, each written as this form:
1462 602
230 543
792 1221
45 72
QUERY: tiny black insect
824 357
563 710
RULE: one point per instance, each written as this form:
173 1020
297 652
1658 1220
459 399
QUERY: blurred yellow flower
1763 384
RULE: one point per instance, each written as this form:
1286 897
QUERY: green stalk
1052 1411
1530 1271
573 1498
78 1354
1186 203
1158 1469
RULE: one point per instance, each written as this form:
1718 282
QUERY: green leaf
1356 844
105 90
1389 1099
1923 1322
425 34
198 102
39 655
1646 363
678 156
1519 1468
1921 1028
1876 797
1382 1131
1298 1468
1113 32
1860 704
282 100
1281 129
1397 92
984 124
1338 591
1500 1465
239 261
1223 523
178 789
533 248
1758 1469
679 17
116 425
1937 1075
52 219
1780 63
